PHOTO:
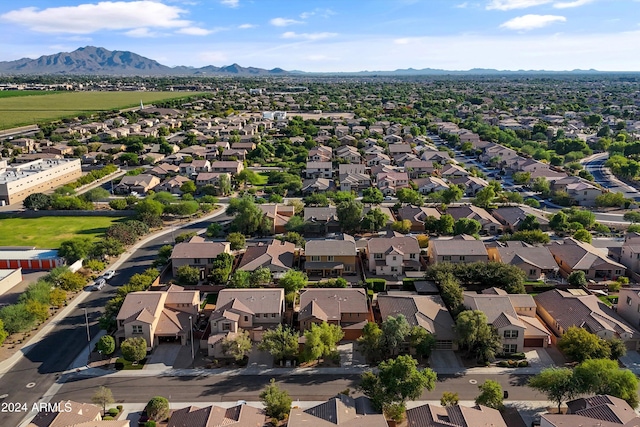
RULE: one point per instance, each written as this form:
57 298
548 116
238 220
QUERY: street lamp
191 327
86 319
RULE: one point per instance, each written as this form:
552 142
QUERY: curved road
34 373
595 166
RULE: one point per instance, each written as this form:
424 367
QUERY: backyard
48 232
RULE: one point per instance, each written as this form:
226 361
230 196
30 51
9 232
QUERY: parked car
108 274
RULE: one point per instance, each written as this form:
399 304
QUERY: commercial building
29 258
19 181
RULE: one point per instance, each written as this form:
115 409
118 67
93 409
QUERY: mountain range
91 60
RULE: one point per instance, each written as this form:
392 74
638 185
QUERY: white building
19 181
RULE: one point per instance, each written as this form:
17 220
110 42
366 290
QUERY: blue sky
336 35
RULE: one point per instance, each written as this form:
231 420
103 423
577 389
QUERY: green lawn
48 232
261 178
31 108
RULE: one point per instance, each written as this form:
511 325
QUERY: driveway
349 356
538 357
444 359
259 359
162 357
631 360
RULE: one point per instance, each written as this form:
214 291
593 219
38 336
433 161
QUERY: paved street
595 165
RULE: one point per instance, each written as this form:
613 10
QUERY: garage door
534 342
444 345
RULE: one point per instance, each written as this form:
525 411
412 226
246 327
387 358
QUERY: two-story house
393 255
348 308
459 249
573 255
629 254
390 182
158 316
331 258
319 170
536 261
197 253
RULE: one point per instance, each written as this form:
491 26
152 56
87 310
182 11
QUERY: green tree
372 195
150 207
528 236
3 333
38 310
240 279
421 341
477 336
106 345
577 278
446 224
584 217
370 342
134 349
295 238
37 202
321 340
260 277
558 384
582 235
103 397
402 226
71 282
316 199
541 185
617 348
74 249
96 194
632 216
412 197
521 177
237 241
224 185
604 376
213 230
349 215
394 334
237 347
559 221
451 194
484 197
281 343
248 217
452 293
529 223
293 281
491 395
188 187
579 344
466 226
397 381
16 318
374 220
277 403
532 202
158 408
57 297
449 399
187 275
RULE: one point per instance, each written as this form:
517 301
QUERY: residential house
441 157
140 184
346 307
561 310
317 185
629 254
193 168
417 215
253 310
489 224
233 154
158 316
426 311
417 168
512 216
331 258
390 182
469 184
513 316
240 415
349 153
321 220
277 256
429 415
210 178
232 167
279 214
580 190
59 149
430 184
197 253
629 305
451 171
393 255
172 185
459 249
536 261
599 410
341 411
354 182
321 153
394 139
319 170
377 159
67 413
573 255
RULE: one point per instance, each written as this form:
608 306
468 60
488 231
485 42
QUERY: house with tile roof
454 416
536 261
319 170
512 216
157 316
198 253
341 410
321 220
277 256
489 224
279 214
393 255
469 184
459 249
426 311
599 410
140 184
561 310
74 414
629 255
390 182
430 184
417 215
573 255
331 258
513 316
241 415
346 307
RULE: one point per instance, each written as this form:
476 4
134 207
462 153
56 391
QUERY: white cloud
515 4
211 57
246 26
324 13
307 36
530 22
137 16
283 22
195 31
462 5
230 3
141 33
575 3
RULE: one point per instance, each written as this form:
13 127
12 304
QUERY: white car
99 284
108 274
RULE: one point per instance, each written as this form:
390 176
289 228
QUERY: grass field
48 232
33 108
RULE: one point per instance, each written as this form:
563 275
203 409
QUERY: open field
48 232
26 110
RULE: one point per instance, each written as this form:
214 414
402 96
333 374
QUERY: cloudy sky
336 35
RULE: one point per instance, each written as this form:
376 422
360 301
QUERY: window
394 269
329 257
196 260
210 260
137 329
532 272
412 256
377 256
629 301
226 326
510 334
446 257
395 258
618 272
462 258
509 348
315 258
246 318
273 315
